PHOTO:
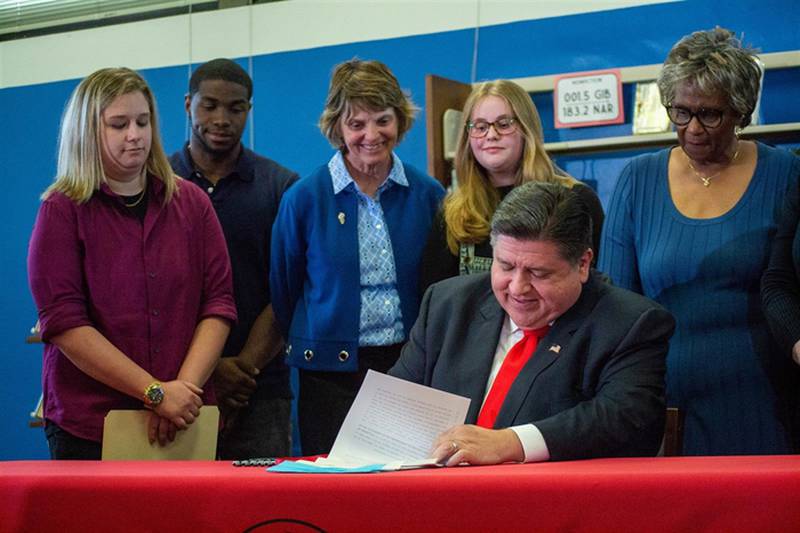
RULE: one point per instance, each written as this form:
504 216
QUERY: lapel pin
341 218
555 348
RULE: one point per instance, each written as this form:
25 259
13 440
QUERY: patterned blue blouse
381 321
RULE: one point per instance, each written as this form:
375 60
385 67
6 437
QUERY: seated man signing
558 363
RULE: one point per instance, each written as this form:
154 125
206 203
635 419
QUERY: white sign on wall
588 99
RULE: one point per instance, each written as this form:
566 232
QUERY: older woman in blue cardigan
346 248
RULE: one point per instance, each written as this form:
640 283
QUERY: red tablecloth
659 494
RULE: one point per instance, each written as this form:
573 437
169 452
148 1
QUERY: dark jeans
326 397
64 445
262 429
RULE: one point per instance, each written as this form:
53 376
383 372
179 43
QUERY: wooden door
441 94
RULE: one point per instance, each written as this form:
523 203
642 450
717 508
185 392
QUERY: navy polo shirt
246 202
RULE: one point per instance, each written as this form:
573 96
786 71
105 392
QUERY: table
729 494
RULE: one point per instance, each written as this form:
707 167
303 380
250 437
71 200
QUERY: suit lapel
484 334
554 345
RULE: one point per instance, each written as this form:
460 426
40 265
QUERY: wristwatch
153 394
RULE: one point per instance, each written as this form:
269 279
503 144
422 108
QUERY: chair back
672 445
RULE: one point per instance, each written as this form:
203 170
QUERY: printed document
391 426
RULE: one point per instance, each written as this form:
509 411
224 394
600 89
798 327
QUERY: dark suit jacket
594 387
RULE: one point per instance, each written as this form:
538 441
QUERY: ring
454 446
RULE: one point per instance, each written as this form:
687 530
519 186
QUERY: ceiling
29 18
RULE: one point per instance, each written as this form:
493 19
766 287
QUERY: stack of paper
391 426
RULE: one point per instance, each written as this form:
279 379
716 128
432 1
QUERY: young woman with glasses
501 145
690 227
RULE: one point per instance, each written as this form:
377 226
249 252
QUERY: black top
246 202
780 293
136 205
439 263
780 286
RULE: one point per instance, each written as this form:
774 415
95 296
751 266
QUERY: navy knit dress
723 367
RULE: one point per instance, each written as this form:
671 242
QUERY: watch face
155 394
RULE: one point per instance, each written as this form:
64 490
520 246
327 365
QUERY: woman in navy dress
690 227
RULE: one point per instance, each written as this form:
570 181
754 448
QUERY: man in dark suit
594 384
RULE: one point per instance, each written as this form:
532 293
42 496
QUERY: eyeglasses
710 118
503 126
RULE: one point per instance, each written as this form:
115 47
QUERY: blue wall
289 94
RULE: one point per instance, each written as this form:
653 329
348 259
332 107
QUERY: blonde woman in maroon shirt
129 271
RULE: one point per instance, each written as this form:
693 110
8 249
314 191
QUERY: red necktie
517 356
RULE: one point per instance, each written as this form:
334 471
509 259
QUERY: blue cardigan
314 269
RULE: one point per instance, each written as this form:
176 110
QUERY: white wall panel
63 56
263 29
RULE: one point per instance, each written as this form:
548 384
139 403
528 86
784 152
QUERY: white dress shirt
533 444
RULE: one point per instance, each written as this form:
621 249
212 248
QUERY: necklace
707 179
138 200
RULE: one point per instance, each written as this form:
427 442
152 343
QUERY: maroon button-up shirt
144 285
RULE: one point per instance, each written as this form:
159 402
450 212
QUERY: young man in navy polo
251 380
